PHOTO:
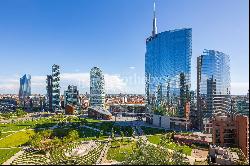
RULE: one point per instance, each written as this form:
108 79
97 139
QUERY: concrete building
171 123
230 130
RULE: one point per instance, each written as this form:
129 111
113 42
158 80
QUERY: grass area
152 131
92 120
16 139
120 153
5 154
11 127
2 135
155 139
185 149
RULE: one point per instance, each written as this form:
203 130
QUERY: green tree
178 157
146 154
73 135
122 135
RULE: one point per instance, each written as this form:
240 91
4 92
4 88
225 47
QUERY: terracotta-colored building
231 130
69 110
243 133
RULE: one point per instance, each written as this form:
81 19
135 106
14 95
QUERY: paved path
103 154
9 148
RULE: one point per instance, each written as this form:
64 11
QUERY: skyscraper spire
154 32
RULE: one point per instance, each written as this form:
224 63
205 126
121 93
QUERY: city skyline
44 38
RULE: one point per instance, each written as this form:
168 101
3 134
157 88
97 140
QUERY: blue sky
80 34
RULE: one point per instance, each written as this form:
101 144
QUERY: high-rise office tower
71 96
168 68
213 83
25 86
49 92
53 89
97 91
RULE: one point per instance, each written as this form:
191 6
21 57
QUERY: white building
97 91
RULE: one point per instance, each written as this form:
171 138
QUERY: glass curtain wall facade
97 88
168 69
25 86
213 83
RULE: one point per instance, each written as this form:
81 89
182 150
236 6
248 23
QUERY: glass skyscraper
25 86
213 83
97 90
168 68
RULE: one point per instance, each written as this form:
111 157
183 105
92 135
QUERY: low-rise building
99 113
194 138
222 156
172 123
230 130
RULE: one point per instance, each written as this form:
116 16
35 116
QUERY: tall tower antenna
154 32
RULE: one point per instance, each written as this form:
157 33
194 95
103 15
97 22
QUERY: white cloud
113 83
132 67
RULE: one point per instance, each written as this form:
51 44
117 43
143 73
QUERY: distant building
213 84
56 87
25 87
69 109
99 113
97 88
49 92
194 138
53 89
230 130
71 96
168 69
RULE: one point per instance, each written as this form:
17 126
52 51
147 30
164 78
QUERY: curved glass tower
97 90
25 86
168 68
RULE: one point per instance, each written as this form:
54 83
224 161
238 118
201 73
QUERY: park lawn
2 135
11 127
92 120
16 139
120 153
5 154
185 149
152 131
155 139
